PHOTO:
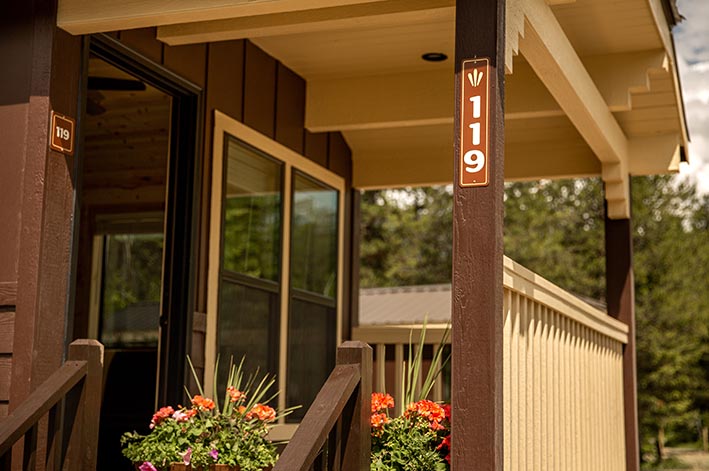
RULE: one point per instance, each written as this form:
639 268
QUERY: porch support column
477 314
41 75
620 298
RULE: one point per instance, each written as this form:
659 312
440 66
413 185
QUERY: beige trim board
96 16
344 16
524 281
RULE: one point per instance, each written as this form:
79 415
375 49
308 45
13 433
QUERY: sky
692 47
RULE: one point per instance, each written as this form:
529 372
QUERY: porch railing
563 376
338 419
73 391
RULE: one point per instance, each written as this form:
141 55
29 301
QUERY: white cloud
692 42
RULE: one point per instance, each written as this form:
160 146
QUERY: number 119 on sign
474 123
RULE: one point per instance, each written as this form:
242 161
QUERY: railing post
355 448
82 443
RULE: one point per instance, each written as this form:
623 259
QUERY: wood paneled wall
242 81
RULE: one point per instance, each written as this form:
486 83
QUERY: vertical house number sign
474 122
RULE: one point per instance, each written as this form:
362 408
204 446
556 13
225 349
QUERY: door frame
181 208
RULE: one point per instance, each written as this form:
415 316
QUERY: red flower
378 420
447 410
235 394
162 414
446 442
429 410
381 401
263 412
202 403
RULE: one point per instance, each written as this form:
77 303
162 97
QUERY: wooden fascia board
664 30
346 15
386 12
95 16
552 56
422 98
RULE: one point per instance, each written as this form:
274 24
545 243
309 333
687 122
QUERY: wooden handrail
343 404
72 393
44 398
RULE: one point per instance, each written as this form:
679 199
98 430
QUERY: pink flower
187 456
181 416
147 466
214 454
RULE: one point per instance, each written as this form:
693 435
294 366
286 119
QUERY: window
313 307
275 278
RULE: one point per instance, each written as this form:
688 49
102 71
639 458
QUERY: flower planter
212 467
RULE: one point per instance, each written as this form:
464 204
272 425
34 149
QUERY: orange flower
263 412
202 403
235 394
241 409
429 410
378 420
381 401
162 414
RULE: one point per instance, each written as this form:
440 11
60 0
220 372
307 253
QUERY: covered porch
332 97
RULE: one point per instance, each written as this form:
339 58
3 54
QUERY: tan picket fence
563 376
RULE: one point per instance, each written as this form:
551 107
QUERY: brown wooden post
355 449
83 439
620 298
477 320
53 65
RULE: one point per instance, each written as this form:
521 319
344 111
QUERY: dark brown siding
189 62
143 40
260 90
290 108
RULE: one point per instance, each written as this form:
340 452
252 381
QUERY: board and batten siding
8 300
244 82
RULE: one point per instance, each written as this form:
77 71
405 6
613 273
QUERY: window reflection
314 239
252 213
312 322
249 293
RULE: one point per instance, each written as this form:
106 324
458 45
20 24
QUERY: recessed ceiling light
434 57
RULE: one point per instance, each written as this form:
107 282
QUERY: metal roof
405 305
410 305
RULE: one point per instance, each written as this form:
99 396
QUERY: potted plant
418 439
203 436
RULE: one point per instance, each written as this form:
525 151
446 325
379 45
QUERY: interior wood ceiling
126 142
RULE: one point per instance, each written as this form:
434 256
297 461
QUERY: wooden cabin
182 178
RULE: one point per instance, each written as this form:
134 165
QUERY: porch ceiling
607 102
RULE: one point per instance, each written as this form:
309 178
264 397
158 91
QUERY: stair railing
339 417
74 392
